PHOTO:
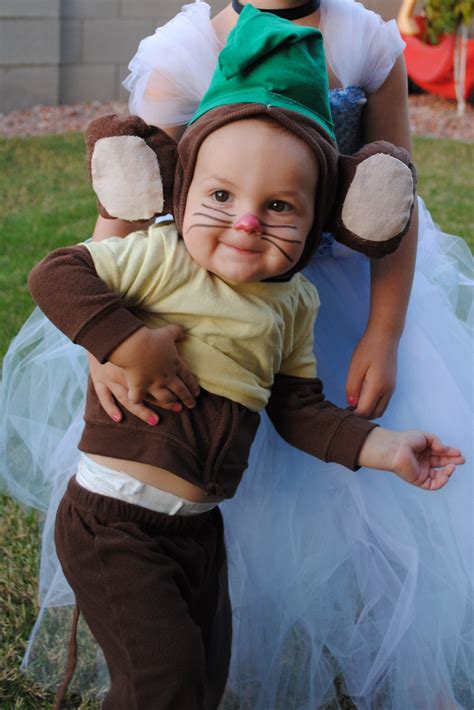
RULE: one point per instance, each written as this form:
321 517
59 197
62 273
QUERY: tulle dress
334 575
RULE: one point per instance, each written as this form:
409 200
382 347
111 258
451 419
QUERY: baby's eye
279 206
220 195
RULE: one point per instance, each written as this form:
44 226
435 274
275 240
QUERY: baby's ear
376 196
132 167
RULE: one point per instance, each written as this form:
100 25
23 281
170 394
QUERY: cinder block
71 42
90 8
29 8
82 84
26 42
23 87
113 41
150 8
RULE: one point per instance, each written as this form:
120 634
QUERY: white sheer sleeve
173 68
360 47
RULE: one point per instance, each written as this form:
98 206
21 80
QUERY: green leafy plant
445 16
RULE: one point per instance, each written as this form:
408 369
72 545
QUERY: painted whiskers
265 236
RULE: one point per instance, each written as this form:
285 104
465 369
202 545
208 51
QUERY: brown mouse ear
132 167
376 195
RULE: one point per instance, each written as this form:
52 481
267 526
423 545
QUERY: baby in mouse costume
252 184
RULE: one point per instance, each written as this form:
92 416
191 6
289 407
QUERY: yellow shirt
238 336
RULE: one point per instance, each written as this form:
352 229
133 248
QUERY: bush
445 16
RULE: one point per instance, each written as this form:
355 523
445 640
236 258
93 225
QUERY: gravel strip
429 116
41 120
433 116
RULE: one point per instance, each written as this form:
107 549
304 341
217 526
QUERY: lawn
46 202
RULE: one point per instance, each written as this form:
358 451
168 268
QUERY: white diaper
117 484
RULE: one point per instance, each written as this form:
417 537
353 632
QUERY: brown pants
153 590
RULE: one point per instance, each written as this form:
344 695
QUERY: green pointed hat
271 61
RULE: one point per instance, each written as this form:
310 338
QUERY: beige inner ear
378 203
126 178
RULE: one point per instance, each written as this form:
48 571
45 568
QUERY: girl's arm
92 313
109 380
372 372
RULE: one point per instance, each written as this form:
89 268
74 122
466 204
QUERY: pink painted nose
248 223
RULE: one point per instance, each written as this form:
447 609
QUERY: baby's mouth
241 248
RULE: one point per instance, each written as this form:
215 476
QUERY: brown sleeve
302 417
66 287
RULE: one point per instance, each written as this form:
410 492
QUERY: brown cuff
105 333
347 441
306 420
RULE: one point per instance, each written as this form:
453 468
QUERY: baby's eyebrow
295 196
218 179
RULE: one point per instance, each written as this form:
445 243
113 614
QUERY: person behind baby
138 532
371 378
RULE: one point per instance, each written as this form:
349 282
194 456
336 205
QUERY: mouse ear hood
366 199
139 172
376 196
132 167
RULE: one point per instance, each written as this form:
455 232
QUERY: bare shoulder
223 23
386 113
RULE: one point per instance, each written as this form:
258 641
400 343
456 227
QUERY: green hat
271 61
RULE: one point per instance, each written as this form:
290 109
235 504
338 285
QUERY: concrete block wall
29 53
73 51
98 39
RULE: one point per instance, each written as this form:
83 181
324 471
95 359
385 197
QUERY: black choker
289 13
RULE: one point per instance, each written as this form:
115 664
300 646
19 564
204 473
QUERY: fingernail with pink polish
352 401
116 417
176 407
152 420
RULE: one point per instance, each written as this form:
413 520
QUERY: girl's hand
372 374
152 366
416 457
145 365
111 387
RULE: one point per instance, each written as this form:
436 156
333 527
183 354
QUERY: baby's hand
418 458
152 367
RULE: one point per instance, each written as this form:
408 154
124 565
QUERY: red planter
432 66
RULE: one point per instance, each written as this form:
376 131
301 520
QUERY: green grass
446 183
18 594
46 202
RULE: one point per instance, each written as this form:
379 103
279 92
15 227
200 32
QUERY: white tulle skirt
334 575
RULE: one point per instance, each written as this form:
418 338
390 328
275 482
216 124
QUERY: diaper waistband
106 481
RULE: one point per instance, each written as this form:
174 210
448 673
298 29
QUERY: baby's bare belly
156 477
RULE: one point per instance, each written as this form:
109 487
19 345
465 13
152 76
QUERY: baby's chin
237 276
234 277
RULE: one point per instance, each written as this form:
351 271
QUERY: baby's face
250 205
